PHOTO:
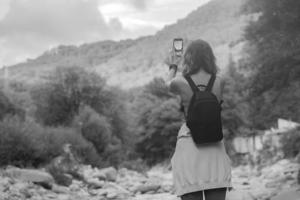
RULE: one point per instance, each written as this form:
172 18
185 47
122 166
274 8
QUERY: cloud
140 4
32 26
59 20
4 7
136 4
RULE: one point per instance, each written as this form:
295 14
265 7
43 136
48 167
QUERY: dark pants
212 194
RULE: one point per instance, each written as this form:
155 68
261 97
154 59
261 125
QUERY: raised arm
173 62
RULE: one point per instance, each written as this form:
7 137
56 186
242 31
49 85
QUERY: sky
30 27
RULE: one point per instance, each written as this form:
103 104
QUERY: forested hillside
273 61
86 56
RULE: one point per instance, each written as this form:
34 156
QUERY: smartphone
178 46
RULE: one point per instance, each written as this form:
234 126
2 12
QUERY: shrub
94 128
57 101
8 108
26 143
15 145
291 143
74 97
158 121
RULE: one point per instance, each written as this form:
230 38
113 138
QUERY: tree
273 58
74 97
158 121
8 108
236 108
58 100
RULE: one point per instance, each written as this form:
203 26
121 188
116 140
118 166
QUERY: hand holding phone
175 55
178 46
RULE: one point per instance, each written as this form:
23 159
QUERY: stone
99 174
161 196
31 175
102 192
51 196
75 186
238 195
64 197
93 192
123 172
288 195
60 189
144 188
65 167
298 177
95 183
272 184
4 184
62 178
111 195
110 173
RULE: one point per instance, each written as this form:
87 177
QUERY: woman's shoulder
179 83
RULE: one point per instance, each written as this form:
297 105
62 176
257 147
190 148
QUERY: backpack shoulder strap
210 83
191 83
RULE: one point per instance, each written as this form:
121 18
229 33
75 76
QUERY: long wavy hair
199 55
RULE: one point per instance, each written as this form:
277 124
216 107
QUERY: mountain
130 63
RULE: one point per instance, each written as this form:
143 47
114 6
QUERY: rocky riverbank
156 184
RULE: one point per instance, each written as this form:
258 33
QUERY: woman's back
204 167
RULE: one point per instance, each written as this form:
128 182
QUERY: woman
198 170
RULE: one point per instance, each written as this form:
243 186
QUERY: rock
111 195
101 192
4 184
31 175
65 167
238 195
245 183
63 197
60 189
161 196
110 173
272 175
95 183
62 179
288 195
100 176
123 172
298 177
51 196
272 184
45 185
115 191
166 188
76 186
145 188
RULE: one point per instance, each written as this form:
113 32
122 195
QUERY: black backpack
204 114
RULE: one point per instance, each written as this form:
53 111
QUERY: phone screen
178 44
